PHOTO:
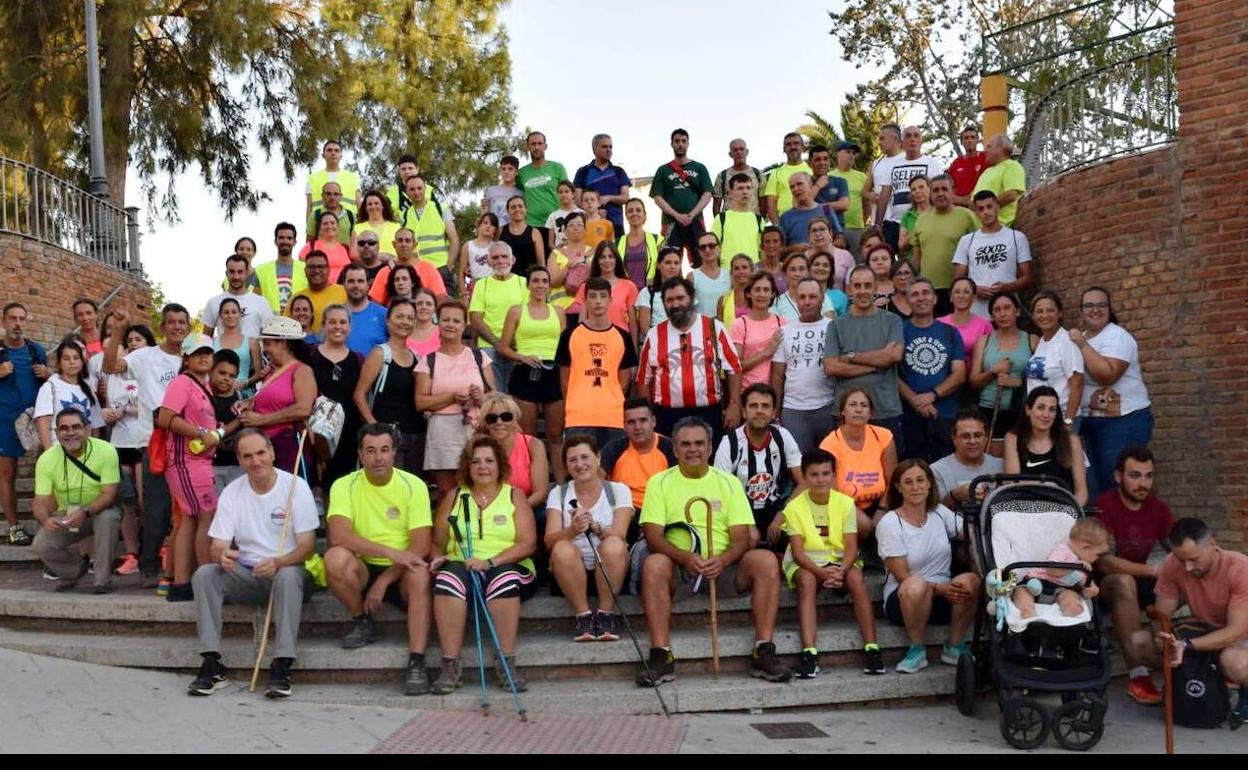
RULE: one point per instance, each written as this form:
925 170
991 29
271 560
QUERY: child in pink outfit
1088 541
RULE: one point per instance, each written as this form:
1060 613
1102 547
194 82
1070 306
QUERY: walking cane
1167 690
996 409
710 549
281 543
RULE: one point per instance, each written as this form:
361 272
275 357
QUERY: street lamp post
98 184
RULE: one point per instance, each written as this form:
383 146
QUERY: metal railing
38 205
1080 28
1122 108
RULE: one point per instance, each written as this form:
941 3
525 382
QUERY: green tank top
493 530
1018 359
537 337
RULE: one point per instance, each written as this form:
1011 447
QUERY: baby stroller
1019 521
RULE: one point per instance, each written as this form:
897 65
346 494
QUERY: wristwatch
490 561
1188 646
849 356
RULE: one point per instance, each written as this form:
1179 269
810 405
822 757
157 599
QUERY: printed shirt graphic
595 360
928 360
683 368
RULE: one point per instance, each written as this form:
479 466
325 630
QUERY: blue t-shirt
836 189
839 300
368 329
18 390
605 182
928 361
795 221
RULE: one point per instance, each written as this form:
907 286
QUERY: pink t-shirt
430 344
1060 553
452 374
1213 596
978 327
750 337
274 396
337 254
186 398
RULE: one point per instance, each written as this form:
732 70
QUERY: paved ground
49 704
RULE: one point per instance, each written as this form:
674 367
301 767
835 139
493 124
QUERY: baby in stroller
1088 541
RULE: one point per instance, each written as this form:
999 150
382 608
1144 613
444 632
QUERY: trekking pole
996 409
645 664
483 610
1167 689
476 618
281 543
710 549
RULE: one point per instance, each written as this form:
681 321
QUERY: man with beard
279 280
255 308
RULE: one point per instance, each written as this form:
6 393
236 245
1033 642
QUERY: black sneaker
661 667
807 665
606 626
875 661
280 681
585 630
417 681
363 633
18 536
765 665
180 592
212 676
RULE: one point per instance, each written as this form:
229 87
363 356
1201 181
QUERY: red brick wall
46 280
1167 232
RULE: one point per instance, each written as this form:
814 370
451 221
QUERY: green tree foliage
429 78
860 123
201 83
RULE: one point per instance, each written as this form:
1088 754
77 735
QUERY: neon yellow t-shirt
1006 175
384 514
669 492
856 181
385 235
822 529
493 298
778 185
56 475
739 232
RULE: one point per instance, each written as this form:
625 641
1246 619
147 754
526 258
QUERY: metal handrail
1121 108
35 204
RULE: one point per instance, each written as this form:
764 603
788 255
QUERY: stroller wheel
965 686
1076 725
1024 723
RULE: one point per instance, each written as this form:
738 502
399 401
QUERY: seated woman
526 455
914 540
1045 446
499 537
865 457
588 506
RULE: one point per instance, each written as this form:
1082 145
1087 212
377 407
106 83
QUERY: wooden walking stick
1167 691
281 543
996 409
710 546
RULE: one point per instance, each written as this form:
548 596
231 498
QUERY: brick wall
1167 232
46 280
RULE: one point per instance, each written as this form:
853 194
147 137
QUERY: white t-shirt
56 394
562 496
806 387
950 472
1052 363
556 221
760 469
123 395
255 311
992 258
658 313
254 522
896 172
153 369
927 550
1116 342
479 261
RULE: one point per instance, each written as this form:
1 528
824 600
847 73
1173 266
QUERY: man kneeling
736 569
252 559
379 533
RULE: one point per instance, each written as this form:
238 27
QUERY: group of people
828 394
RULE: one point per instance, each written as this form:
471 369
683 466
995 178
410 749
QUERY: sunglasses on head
490 419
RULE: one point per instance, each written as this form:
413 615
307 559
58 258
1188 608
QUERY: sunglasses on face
490 419
367 243
705 246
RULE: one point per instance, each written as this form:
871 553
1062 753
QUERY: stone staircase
134 628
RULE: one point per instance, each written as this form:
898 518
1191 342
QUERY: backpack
567 488
431 359
1200 694
759 178
387 357
25 426
723 223
734 454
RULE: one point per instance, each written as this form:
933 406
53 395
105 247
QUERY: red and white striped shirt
683 369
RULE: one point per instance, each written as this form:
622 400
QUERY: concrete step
28 597
540 655
689 693
12 555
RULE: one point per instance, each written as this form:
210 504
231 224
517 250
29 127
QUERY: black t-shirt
223 407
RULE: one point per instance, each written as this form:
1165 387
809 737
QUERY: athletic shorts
193 486
504 581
